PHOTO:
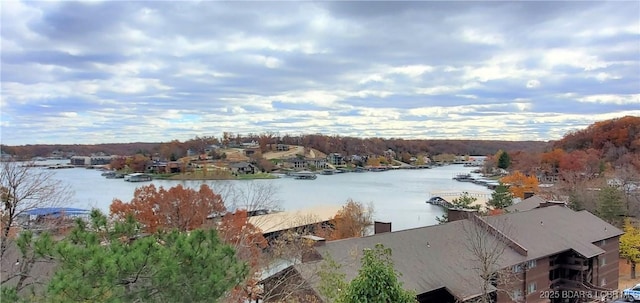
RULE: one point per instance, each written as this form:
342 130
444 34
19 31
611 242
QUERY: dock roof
280 221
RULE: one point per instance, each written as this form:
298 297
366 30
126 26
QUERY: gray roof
549 230
241 165
526 204
434 257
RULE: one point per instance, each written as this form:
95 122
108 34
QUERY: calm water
398 196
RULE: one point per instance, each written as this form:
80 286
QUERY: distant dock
60 166
444 198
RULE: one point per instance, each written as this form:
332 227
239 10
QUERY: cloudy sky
151 71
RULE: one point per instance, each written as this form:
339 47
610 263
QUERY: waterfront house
282 147
545 249
318 163
88 161
243 168
335 159
295 163
304 163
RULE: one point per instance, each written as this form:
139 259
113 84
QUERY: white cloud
612 99
69 114
574 58
412 70
170 70
602 76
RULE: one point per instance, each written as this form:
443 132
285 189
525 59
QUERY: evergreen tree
575 202
501 197
465 201
610 205
101 262
504 161
377 281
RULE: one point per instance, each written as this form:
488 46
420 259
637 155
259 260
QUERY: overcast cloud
115 71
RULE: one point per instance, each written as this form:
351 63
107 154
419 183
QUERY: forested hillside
323 143
613 138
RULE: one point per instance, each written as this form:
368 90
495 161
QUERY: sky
153 71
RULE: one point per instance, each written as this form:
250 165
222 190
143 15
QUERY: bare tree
288 282
250 195
628 180
24 187
487 243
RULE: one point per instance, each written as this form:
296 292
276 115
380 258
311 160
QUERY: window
517 294
603 282
531 264
603 242
517 268
531 288
603 261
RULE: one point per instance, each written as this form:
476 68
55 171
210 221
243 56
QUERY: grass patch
163 176
200 175
256 176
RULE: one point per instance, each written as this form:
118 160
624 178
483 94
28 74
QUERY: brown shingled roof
434 257
526 204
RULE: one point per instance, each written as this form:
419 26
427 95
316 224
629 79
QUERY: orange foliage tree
552 159
520 183
236 230
178 208
137 163
526 162
351 221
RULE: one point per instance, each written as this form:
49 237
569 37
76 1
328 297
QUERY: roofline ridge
500 235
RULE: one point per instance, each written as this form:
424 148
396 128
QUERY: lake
398 196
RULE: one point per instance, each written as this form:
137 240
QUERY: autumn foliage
604 135
178 207
186 209
520 183
351 221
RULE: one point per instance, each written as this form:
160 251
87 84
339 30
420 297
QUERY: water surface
398 196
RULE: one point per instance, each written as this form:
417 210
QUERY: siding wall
521 281
609 271
539 275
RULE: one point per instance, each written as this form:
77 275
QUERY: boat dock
137 177
303 175
438 201
489 183
60 166
444 198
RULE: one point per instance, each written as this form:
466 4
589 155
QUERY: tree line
327 144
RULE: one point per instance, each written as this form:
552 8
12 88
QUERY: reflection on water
398 196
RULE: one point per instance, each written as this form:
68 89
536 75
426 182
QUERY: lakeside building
88 161
546 249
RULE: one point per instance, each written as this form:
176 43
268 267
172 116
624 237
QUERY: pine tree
377 281
610 205
504 161
465 201
501 197
114 263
